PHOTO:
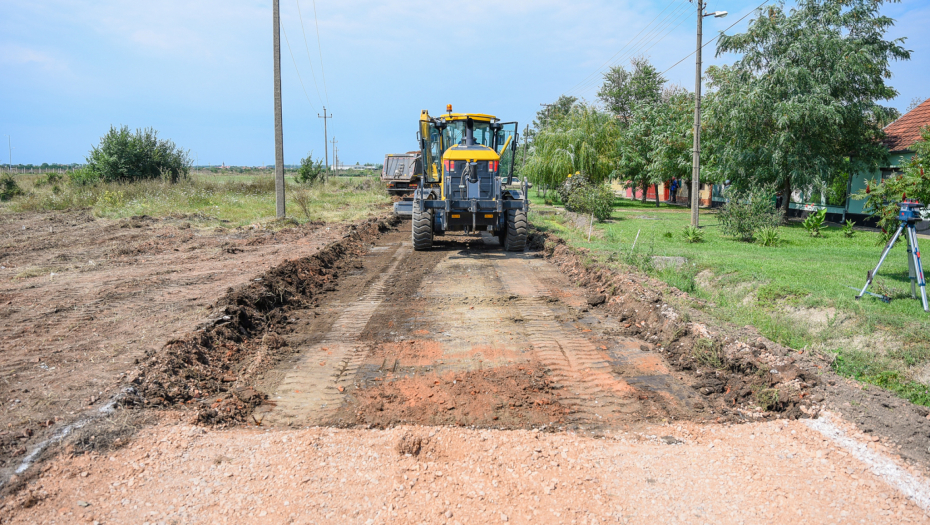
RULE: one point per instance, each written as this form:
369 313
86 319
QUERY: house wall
862 179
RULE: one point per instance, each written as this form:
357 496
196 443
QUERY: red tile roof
904 132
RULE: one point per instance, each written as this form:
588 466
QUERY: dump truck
401 172
466 186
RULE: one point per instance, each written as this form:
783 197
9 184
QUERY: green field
229 200
795 293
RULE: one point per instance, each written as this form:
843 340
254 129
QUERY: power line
659 28
716 37
307 46
609 60
320 49
296 69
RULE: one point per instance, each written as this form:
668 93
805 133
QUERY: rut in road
469 334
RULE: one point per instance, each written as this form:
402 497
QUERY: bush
747 213
311 171
83 177
572 184
123 156
592 200
8 187
49 179
814 222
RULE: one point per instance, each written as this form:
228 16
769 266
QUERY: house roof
901 134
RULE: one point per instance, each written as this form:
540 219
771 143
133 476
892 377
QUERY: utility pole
9 142
547 106
696 161
334 141
278 119
325 133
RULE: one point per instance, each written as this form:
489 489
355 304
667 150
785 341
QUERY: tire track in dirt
314 388
588 374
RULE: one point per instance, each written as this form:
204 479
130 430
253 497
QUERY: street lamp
696 163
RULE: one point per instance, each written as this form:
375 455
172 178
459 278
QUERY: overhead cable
307 46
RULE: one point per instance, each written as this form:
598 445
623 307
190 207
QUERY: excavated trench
371 333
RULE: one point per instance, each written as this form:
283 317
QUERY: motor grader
468 161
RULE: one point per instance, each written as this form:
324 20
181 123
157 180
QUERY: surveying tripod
908 217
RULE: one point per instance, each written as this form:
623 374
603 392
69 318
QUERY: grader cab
468 161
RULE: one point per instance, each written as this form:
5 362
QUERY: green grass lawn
795 293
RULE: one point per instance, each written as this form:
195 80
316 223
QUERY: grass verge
794 292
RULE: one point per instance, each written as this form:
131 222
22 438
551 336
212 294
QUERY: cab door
506 146
431 146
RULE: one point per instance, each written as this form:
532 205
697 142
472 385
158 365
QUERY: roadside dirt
82 300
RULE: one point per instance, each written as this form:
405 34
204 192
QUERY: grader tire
422 229
515 238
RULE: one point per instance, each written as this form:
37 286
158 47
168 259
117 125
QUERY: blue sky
201 72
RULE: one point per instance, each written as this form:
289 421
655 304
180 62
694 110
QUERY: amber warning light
448 108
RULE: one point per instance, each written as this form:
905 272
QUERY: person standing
673 190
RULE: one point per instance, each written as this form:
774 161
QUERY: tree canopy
802 103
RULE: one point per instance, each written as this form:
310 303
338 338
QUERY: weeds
692 234
848 228
8 187
768 236
766 398
708 353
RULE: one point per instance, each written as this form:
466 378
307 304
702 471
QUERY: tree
581 141
802 101
123 156
554 112
916 101
311 171
623 91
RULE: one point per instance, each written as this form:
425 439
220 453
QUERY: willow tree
802 102
581 141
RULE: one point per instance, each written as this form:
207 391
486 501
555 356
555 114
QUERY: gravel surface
774 472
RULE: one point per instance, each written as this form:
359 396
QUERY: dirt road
465 385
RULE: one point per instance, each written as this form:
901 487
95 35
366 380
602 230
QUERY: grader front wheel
422 229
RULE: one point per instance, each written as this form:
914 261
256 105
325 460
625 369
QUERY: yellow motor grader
468 161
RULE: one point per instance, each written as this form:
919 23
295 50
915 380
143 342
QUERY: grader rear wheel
422 229
515 237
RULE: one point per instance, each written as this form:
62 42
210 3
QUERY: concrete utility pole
696 162
334 141
547 106
325 133
278 120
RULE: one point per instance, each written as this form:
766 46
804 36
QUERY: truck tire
515 238
422 229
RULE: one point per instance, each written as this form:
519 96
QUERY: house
900 137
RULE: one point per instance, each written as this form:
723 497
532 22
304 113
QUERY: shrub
8 187
592 200
311 171
83 177
768 236
848 228
814 222
693 234
747 213
572 184
49 179
123 156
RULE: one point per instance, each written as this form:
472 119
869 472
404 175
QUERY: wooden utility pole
325 133
696 160
278 119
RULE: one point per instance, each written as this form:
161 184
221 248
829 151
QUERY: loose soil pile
507 397
212 369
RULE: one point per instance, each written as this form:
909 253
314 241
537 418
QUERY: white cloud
18 55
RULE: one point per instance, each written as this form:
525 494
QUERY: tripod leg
920 270
911 271
882 260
